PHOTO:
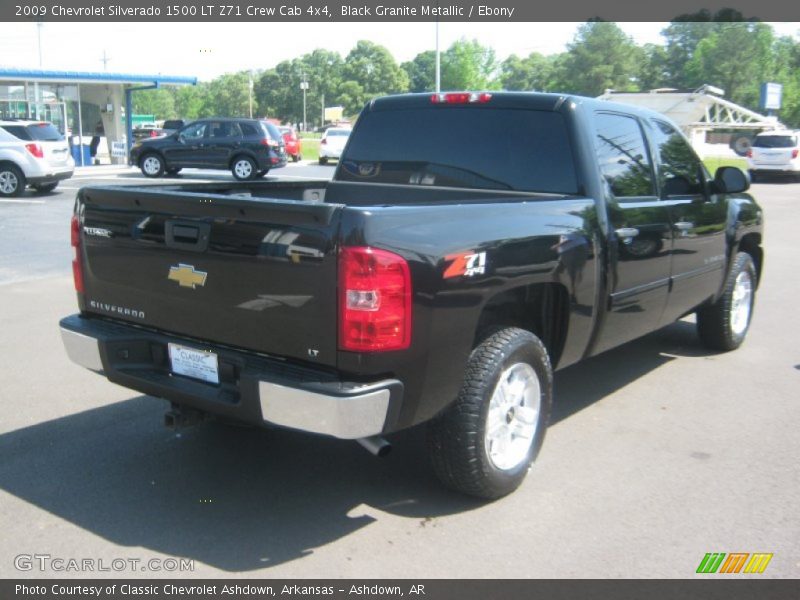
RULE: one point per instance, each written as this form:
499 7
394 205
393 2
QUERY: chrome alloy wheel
741 303
8 182
513 416
243 169
151 165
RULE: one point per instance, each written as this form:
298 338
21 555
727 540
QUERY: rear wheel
323 160
244 168
296 157
484 444
724 324
12 181
44 188
152 165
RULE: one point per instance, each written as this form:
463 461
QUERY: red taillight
35 149
153 133
794 153
268 142
77 267
750 153
374 300
461 98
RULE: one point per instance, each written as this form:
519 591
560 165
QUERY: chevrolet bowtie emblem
186 276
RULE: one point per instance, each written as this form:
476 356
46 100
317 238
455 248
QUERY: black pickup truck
468 244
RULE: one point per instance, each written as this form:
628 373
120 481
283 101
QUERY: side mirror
731 180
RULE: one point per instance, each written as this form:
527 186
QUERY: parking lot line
16 201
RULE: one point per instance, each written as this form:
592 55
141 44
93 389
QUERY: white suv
774 152
32 153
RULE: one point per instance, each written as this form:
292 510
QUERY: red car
292 142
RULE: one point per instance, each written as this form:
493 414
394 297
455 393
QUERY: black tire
152 165
753 176
45 188
457 439
12 181
323 160
244 168
719 325
173 171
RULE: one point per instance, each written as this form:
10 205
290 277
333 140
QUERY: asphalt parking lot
658 453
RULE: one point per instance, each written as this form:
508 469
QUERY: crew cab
440 277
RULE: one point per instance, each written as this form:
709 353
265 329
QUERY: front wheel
724 324
484 444
152 165
244 168
12 181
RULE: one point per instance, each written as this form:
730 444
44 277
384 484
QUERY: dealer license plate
194 363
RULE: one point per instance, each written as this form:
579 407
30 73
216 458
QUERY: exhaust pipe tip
376 445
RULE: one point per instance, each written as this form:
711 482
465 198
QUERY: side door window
680 172
623 156
193 133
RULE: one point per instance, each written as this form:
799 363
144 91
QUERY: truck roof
518 100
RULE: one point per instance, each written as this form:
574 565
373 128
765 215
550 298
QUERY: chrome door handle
627 232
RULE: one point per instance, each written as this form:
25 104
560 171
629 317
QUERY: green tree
421 72
190 101
467 65
157 102
735 57
683 35
600 57
653 71
374 69
229 96
534 72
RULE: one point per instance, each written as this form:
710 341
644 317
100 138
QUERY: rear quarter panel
523 243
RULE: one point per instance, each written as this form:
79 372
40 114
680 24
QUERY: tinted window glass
194 132
44 132
18 131
623 156
248 129
224 129
681 172
480 147
775 141
273 132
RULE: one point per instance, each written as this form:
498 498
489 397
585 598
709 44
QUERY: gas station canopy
79 103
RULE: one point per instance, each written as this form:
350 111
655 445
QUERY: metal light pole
39 26
438 60
251 94
304 87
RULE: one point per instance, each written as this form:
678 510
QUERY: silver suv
32 153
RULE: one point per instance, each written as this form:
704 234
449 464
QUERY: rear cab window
775 141
35 132
479 148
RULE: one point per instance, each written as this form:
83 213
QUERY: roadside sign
771 94
119 150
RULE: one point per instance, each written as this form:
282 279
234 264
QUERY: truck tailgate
254 273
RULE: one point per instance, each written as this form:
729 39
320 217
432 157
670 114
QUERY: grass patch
715 162
310 148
